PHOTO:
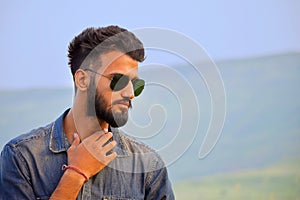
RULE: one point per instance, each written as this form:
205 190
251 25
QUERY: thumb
76 140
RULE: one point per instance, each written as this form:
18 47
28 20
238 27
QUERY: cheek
107 95
116 95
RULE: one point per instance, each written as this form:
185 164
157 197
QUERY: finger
105 130
109 146
104 138
95 136
107 135
111 157
76 140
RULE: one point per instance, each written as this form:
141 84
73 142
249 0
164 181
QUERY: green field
281 181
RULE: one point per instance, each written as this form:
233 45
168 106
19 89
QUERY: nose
128 91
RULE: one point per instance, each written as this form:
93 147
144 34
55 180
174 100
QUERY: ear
82 80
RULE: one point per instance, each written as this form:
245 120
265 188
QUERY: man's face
112 106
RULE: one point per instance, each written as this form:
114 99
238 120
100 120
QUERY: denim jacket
31 168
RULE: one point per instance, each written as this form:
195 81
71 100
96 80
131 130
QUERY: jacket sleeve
14 175
158 185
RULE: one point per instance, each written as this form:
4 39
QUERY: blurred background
254 44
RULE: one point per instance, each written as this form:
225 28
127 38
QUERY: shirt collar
58 139
121 149
59 142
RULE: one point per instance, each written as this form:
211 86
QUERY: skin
86 134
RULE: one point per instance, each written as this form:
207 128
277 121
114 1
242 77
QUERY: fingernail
105 130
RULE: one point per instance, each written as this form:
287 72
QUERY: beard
97 105
113 118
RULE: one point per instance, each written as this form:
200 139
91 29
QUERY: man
82 155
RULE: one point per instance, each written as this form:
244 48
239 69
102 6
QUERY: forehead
117 62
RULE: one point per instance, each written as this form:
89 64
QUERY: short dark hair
110 38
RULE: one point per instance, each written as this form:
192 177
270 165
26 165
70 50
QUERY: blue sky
35 34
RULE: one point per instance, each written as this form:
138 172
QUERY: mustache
125 100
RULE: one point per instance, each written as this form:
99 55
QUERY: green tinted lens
138 86
118 82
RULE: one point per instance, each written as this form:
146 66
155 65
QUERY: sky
35 34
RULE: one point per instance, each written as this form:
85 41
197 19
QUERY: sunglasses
120 81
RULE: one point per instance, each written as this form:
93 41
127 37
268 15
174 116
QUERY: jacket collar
58 140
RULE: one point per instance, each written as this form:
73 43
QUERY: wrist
75 175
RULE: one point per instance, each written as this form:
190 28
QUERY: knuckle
114 155
100 132
86 141
107 136
94 146
114 143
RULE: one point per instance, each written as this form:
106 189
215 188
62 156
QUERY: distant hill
262 125
263 117
280 181
23 110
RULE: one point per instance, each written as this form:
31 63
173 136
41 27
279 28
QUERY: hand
90 156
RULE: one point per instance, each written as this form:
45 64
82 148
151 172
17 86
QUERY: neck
82 125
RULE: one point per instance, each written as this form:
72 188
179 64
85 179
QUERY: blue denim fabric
30 168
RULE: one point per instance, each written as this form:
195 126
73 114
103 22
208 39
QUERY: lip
124 104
